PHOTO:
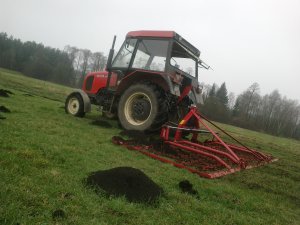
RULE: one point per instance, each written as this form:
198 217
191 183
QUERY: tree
71 51
85 61
98 61
205 90
212 91
215 105
231 100
252 91
221 94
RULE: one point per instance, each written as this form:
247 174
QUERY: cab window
182 60
151 55
123 57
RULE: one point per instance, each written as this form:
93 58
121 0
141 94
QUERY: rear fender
161 80
85 98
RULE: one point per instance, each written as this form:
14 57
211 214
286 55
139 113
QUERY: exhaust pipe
109 61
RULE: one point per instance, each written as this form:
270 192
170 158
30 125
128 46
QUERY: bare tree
205 90
273 108
231 100
253 90
98 61
72 52
85 61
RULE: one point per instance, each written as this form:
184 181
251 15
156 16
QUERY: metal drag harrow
184 147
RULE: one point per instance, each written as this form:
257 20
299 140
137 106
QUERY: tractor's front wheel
74 105
142 107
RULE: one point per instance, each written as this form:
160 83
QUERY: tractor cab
157 52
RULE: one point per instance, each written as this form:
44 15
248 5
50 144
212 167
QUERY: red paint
185 92
195 113
151 33
100 79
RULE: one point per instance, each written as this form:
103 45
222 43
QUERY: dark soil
59 213
52 99
126 181
134 134
5 93
4 109
102 123
137 134
29 95
144 138
187 187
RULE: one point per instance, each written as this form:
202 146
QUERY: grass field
45 154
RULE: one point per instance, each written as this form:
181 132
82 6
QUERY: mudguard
85 98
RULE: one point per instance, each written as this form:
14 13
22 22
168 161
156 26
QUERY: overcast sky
245 41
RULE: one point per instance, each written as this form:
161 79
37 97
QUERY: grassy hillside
45 154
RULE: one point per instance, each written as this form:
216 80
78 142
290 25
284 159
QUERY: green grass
45 154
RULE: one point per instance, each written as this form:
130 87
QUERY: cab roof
163 34
151 33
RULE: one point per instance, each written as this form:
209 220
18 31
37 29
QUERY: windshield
124 55
151 55
182 60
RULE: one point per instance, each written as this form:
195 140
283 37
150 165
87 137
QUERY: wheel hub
73 105
137 108
141 109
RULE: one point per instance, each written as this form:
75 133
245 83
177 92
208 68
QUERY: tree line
68 66
84 61
272 113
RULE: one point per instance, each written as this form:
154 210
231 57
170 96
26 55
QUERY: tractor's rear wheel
74 105
142 107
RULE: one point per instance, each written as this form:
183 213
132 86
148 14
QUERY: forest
67 66
271 113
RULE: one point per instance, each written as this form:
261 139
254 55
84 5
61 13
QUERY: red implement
209 158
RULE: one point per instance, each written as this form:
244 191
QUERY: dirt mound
187 187
142 138
59 213
5 93
4 109
126 181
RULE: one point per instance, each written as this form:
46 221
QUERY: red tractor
152 84
151 80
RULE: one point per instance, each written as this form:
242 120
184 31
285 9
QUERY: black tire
142 107
74 105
